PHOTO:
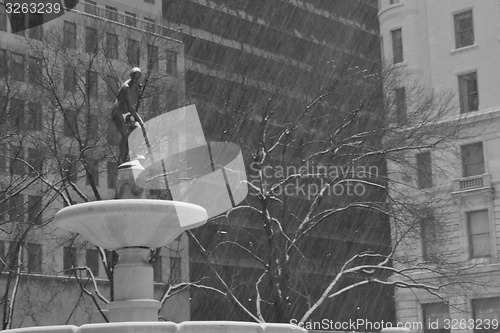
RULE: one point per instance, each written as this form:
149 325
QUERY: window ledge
399 64
481 261
426 189
464 49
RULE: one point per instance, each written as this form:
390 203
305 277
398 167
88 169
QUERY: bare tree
22 171
315 231
58 143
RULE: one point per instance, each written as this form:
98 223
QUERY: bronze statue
123 111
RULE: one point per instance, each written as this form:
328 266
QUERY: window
464 29
150 25
400 104
12 252
69 35
35 116
3 18
171 62
35 26
17 66
382 48
155 104
468 94
92 127
4 68
18 23
35 160
175 270
2 247
4 110
130 19
90 7
4 101
112 169
112 135
111 13
3 206
472 159
16 209
486 310
479 234
34 258
92 261
133 52
69 167
16 160
111 48
35 70
393 2
93 172
35 209
16 113
3 157
111 88
158 269
172 100
90 40
69 259
92 84
152 57
69 79
397 46
428 234
70 126
424 170
111 257
435 313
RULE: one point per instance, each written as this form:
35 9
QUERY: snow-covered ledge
168 327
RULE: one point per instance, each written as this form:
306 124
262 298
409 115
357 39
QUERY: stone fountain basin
114 224
168 327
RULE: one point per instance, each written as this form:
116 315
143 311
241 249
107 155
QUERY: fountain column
133 287
133 282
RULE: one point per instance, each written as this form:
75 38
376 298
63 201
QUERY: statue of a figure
123 111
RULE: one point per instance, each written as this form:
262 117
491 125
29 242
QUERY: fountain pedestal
137 303
131 226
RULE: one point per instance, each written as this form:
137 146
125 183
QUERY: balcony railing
472 183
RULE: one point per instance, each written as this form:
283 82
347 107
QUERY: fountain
132 225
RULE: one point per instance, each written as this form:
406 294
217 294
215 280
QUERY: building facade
240 54
58 147
451 47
